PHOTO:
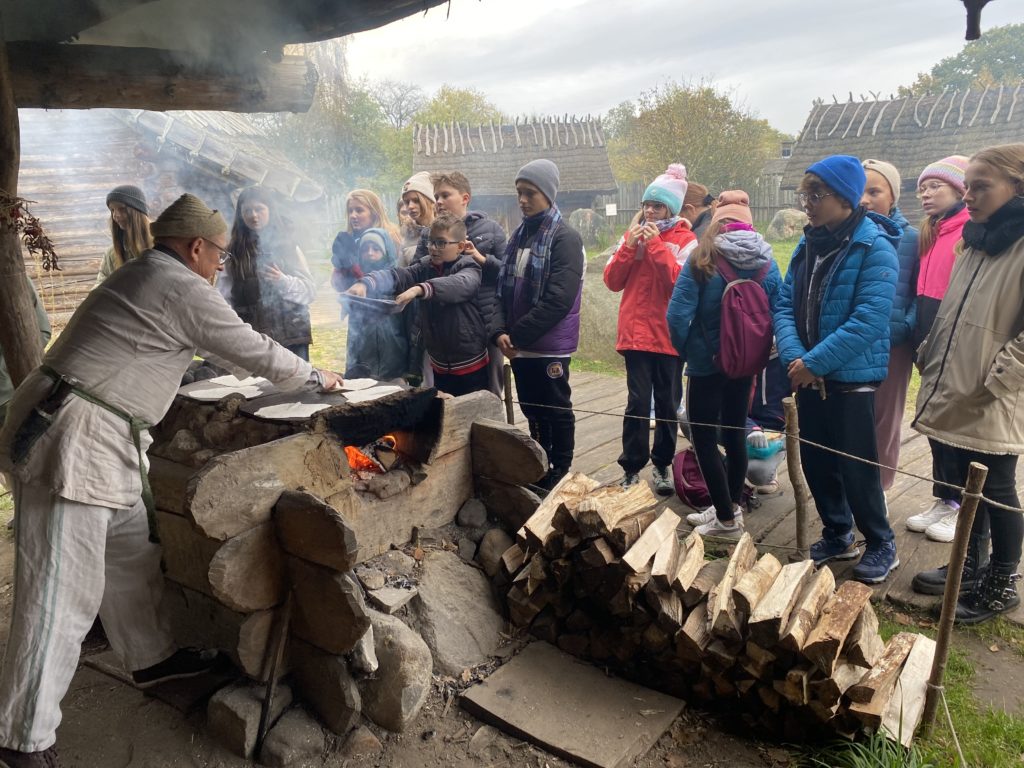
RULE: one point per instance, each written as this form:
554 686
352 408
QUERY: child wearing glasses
447 282
266 279
536 321
832 331
644 269
940 188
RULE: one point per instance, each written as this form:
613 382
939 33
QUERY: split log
796 686
721 654
628 531
200 621
539 531
814 594
51 76
506 453
837 619
511 505
757 661
329 608
169 483
666 605
755 583
864 646
770 697
695 636
771 615
247 572
707 577
903 715
640 554
311 529
830 690
601 511
691 560
512 559
885 671
722 611
237 491
598 554
666 562
523 608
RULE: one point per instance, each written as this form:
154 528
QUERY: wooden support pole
506 374
19 330
976 475
796 477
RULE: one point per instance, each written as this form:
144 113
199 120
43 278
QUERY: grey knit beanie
131 196
188 216
543 174
888 172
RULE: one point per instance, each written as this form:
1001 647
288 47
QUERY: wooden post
19 330
976 475
796 476
506 373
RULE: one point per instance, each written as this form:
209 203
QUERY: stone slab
391 599
571 708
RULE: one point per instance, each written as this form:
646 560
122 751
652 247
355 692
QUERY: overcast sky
585 56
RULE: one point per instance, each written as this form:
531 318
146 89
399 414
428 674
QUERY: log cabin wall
71 159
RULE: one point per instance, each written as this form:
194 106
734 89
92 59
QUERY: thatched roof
911 132
490 155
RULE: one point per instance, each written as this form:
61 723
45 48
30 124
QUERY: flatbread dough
373 393
215 393
354 385
234 381
291 410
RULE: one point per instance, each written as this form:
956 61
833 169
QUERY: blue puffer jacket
695 309
857 297
904 303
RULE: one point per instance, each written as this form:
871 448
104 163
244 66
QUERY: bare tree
399 101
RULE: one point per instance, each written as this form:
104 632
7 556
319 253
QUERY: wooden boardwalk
773 524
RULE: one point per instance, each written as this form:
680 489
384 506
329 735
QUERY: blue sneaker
824 550
878 562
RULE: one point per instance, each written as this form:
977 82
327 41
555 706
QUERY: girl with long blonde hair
129 229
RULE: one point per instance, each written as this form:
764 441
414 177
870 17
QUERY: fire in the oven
374 458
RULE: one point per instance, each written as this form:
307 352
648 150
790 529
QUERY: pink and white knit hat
669 188
949 170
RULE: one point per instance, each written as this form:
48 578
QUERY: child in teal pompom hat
669 189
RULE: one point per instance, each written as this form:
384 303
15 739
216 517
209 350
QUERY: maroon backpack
745 332
691 488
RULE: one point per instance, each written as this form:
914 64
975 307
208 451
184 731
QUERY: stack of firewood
602 573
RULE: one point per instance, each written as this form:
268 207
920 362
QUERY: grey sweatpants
73 561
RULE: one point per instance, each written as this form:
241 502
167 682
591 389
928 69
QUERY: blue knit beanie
844 175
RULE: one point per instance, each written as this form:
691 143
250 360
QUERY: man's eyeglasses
813 197
439 244
223 255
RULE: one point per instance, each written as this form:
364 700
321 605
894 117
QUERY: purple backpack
745 327
691 488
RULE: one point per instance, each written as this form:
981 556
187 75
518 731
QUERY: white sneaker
939 510
718 529
709 515
944 530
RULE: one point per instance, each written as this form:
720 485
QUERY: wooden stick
976 475
275 662
506 373
796 476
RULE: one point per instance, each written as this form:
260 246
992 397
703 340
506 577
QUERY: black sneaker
663 485
45 759
629 479
185 662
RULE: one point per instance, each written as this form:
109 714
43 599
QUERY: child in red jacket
644 267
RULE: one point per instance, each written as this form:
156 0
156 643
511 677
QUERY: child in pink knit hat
644 268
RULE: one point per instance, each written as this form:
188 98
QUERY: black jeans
462 384
844 490
1007 528
648 372
945 469
542 386
721 401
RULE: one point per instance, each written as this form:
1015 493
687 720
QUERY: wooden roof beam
52 76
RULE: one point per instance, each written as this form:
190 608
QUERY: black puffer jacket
450 315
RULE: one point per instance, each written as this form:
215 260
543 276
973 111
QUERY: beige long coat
972 363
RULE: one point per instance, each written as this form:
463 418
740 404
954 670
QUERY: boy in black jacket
448 283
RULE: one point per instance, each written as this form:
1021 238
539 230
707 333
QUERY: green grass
577 365
328 348
876 751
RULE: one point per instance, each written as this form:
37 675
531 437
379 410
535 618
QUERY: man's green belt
136 426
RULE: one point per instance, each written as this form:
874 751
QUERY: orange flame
359 461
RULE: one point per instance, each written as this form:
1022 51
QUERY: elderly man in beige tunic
73 441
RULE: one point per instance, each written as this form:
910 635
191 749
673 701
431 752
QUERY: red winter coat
646 275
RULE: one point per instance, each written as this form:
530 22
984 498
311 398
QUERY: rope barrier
941 690
959 488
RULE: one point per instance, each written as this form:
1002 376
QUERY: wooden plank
709 575
837 618
755 583
310 528
666 562
455 422
506 453
903 715
771 615
864 646
813 596
885 671
640 554
539 529
691 560
725 622
600 512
